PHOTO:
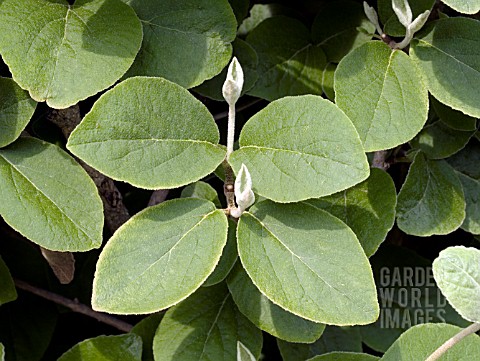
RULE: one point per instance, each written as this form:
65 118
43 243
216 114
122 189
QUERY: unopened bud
244 195
232 88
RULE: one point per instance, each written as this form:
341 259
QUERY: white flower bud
232 88
403 11
244 195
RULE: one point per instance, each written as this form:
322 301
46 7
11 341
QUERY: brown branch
115 211
229 187
74 305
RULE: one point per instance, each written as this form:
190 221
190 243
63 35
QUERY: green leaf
48 197
66 53
149 132
206 326
146 329
297 254
248 59
420 341
390 20
147 264
457 273
185 42
328 80
337 28
7 289
344 356
258 13
466 161
431 200
266 315
201 190
325 157
382 92
333 339
464 6
2 352
240 9
16 109
228 258
288 62
471 190
447 53
367 208
106 348
453 118
408 296
243 353
439 141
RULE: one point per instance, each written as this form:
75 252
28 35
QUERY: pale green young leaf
341 26
471 190
382 92
448 54
418 342
146 329
334 338
368 208
48 197
464 6
149 132
248 59
16 109
228 258
186 42
206 326
266 315
106 348
201 190
390 21
344 356
288 62
243 353
297 256
7 287
147 264
457 273
453 118
325 157
431 200
466 161
65 53
439 141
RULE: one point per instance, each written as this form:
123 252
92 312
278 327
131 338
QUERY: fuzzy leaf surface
147 264
149 132
48 197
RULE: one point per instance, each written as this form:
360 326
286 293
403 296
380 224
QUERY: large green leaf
389 19
333 339
48 197
2 352
201 190
159 257
64 53
260 12
146 329
420 341
471 190
439 141
467 160
453 118
186 42
407 295
243 353
300 147
382 91
16 109
149 132
206 326
431 200
341 26
266 315
307 262
448 54
344 356
106 348
457 273
288 62
7 289
464 6
367 208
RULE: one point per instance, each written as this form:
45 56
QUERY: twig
74 305
239 109
228 186
115 211
158 196
380 160
454 340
